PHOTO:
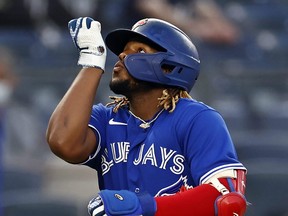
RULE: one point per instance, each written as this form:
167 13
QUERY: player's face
122 82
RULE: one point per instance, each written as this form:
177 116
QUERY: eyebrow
148 42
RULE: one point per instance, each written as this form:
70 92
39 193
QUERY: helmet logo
140 23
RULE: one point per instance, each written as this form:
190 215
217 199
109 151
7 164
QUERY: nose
122 56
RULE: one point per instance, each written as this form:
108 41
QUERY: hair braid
168 100
170 97
119 101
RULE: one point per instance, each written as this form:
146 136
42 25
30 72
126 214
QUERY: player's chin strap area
229 203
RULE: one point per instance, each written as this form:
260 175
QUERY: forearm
68 125
206 199
197 201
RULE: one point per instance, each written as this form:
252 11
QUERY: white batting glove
96 207
86 35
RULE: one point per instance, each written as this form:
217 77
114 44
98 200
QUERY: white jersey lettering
165 157
137 161
179 167
120 151
150 155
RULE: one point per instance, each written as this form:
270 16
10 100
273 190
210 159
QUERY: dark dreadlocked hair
168 100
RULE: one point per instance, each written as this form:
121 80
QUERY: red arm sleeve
196 201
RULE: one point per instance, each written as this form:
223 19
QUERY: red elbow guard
231 204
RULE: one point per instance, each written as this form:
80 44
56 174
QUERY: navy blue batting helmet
176 52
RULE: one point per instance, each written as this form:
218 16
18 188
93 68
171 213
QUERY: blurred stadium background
246 82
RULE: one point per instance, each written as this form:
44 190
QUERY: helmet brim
117 40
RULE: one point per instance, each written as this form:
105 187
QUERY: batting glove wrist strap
148 204
86 35
122 202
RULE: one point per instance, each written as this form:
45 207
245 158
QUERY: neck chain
145 124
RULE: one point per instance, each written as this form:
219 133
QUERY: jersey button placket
137 190
133 173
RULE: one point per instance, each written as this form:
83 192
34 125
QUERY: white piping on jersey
218 169
229 173
98 146
145 124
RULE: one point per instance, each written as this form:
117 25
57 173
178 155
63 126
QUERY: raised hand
86 35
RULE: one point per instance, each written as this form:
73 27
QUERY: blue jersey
182 148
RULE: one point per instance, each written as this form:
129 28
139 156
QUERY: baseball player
156 150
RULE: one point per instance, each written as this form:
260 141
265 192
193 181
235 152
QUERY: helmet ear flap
157 68
147 67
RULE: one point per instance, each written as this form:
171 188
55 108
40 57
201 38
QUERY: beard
121 86
129 86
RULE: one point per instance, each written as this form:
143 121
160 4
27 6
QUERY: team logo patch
140 23
100 49
119 197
